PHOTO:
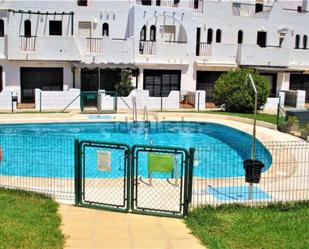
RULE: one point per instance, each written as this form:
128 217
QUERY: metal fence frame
286 180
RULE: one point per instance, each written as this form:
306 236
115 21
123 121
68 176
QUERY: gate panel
159 180
104 174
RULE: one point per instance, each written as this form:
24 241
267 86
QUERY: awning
105 65
273 69
214 67
304 70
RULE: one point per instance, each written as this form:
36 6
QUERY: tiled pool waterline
29 146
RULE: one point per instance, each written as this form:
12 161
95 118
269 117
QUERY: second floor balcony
106 50
60 48
254 55
216 53
197 6
163 52
251 10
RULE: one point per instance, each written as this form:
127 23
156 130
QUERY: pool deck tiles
97 229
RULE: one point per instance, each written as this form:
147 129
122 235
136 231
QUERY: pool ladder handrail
134 110
146 114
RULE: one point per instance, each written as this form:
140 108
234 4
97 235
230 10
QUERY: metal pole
249 78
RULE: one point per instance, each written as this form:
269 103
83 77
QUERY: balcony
251 10
196 5
171 52
217 53
148 47
59 48
106 50
299 57
253 55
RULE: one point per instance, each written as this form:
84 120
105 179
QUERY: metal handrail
146 114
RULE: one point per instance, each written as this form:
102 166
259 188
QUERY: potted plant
305 133
293 124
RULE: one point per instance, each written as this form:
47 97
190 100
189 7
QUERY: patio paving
93 229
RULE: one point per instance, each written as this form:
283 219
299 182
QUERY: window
261 39
1 28
143 33
105 29
297 40
55 27
153 33
82 2
158 2
240 37
195 4
27 28
209 36
176 2
146 2
258 7
1 82
160 83
218 35
305 42
84 29
198 41
281 38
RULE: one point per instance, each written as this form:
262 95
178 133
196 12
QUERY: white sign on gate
104 160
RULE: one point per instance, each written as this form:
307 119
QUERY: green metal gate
147 179
97 182
160 180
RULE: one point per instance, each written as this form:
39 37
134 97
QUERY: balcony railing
244 9
148 47
28 43
196 5
205 49
166 3
94 45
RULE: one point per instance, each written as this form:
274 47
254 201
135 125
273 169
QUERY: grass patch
277 226
29 221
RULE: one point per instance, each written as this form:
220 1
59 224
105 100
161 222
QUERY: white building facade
169 45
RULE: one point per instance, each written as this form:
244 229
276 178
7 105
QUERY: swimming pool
29 149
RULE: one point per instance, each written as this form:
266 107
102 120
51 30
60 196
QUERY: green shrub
125 87
232 91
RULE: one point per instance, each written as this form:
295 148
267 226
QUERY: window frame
55 32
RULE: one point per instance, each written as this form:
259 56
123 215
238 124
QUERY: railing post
77 172
190 179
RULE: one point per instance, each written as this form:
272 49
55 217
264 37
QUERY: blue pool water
47 150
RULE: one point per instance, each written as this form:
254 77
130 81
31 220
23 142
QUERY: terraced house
172 47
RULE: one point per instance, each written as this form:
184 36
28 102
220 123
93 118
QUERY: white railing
148 47
94 45
205 49
28 43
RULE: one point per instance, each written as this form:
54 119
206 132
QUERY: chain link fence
38 163
284 178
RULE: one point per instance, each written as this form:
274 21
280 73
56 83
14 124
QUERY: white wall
57 100
125 21
6 101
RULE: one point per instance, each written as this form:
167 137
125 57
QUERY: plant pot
294 127
305 135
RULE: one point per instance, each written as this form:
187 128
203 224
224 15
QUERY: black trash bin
253 170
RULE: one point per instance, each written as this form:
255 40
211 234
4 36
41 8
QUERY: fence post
77 172
40 101
190 179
